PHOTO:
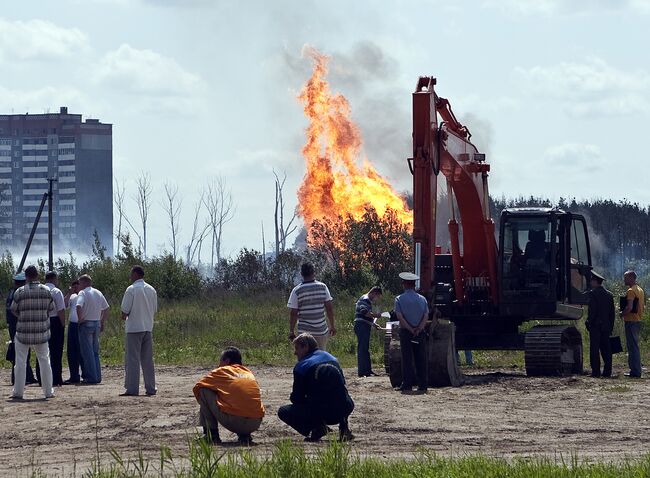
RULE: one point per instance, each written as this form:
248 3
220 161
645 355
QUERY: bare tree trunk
281 231
120 195
199 233
172 206
118 199
143 200
263 251
275 215
219 204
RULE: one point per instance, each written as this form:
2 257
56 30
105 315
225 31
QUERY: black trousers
29 375
73 353
599 345
413 349
56 342
304 418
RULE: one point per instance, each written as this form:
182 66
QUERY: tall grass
340 460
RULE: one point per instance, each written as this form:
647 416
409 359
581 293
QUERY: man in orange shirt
229 395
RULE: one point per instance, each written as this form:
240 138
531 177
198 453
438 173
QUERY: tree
281 231
219 204
172 206
199 233
118 199
143 200
372 249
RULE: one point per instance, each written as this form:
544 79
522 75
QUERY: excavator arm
444 146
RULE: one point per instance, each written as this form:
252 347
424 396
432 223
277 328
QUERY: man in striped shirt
309 302
33 305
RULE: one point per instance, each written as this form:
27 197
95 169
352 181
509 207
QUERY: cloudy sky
556 92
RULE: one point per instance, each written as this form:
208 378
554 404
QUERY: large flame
334 185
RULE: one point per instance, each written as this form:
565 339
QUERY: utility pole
50 197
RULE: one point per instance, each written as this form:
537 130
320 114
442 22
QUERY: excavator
484 292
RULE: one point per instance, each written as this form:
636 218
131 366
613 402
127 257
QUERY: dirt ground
498 412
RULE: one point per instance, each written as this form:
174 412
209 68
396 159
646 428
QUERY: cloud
589 88
39 40
43 99
181 3
567 7
144 72
263 162
579 157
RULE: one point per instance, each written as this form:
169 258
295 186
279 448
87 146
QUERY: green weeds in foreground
339 460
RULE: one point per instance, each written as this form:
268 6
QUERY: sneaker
630 375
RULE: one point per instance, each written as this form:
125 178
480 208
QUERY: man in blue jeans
632 315
363 323
92 311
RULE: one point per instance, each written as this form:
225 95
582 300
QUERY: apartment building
78 155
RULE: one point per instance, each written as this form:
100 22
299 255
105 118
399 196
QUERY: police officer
600 322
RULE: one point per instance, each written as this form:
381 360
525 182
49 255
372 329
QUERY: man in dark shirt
319 397
600 322
19 281
363 323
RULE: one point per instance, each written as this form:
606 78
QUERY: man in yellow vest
632 315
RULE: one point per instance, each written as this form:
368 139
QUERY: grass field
193 332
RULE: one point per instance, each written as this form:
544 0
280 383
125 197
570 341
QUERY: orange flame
334 184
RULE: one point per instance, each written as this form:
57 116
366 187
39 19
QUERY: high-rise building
78 155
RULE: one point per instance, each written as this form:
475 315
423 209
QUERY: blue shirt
412 306
314 358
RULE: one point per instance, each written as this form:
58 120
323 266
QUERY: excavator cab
544 263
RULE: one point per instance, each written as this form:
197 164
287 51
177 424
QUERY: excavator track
553 350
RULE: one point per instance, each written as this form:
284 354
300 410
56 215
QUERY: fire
334 183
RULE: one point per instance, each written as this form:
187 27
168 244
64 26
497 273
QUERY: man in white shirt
92 311
73 353
57 330
139 306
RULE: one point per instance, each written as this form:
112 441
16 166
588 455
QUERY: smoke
482 132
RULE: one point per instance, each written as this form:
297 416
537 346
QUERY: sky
556 93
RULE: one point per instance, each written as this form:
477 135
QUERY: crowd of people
36 319
229 395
